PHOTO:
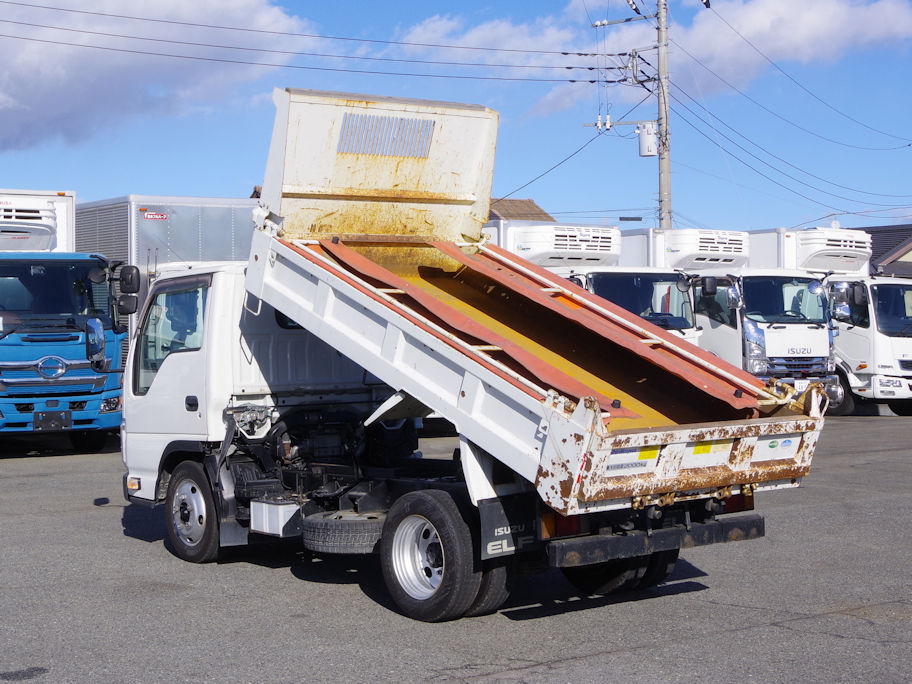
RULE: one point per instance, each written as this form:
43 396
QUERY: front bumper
831 384
599 548
890 387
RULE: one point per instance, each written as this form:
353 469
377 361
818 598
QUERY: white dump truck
278 397
769 314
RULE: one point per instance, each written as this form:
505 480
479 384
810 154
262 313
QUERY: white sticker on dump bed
710 452
632 459
775 447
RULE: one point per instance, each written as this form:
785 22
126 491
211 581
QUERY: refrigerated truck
52 300
152 231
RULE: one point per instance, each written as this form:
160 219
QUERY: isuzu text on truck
51 300
278 397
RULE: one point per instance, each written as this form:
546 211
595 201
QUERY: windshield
654 297
893 309
51 294
782 299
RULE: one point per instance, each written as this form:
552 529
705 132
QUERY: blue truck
61 330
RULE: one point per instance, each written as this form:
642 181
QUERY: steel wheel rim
418 558
188 512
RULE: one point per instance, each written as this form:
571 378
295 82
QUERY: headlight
756 363
831 364
110 404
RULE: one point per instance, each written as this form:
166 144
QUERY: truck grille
786 366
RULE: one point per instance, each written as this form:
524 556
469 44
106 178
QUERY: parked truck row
278 396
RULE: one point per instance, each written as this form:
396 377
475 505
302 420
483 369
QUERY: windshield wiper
7 332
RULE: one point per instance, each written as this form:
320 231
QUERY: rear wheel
847 405
659 566
901 407
192 519
608 577
494 590
427 557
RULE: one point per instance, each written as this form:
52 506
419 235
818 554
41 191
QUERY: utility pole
662 119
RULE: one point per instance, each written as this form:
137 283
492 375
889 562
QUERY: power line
303 67
793 80
784 161
303 54
780 116
301 35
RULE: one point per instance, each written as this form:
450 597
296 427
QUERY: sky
781 113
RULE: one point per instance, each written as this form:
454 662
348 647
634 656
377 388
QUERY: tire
88 441
901 407
659 566
427 557
342 532
494 590
847 406
191 516
608 577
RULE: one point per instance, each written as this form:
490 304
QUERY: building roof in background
517 210
886 239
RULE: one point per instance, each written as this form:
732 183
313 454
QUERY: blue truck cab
61 346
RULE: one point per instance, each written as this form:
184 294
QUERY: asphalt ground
89 592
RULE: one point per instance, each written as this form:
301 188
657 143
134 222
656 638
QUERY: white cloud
51 86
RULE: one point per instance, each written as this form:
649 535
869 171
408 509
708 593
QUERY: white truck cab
769 315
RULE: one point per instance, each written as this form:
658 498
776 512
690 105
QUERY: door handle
191 403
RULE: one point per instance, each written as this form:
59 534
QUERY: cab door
853 343
164 407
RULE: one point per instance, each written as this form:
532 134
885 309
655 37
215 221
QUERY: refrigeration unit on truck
770 316
873 315
152 231
594 258
277 397
55 304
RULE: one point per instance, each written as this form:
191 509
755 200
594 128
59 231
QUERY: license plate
801 385
52 420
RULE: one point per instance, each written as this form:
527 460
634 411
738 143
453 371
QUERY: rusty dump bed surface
533 323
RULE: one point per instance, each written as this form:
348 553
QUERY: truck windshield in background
655 297
893 309
53 294
782 299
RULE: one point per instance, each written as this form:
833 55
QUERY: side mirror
732 299
841 312
683 284
815 287
130 280
95 341
859 294
127 304
708 286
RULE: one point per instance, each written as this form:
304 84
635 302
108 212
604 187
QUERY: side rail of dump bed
561 446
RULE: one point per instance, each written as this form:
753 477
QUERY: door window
173 324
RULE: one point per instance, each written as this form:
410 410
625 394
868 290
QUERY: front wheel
192 519
427 557
847 405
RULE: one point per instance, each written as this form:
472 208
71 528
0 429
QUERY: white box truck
153 231
277 396
873 315
770 316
